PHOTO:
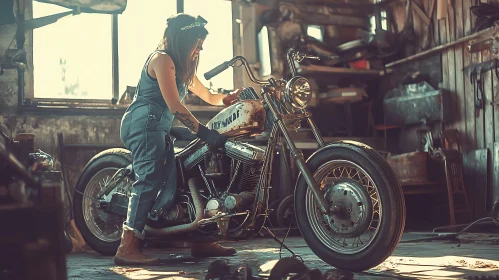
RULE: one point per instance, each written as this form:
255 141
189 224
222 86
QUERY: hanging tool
476 71
478 88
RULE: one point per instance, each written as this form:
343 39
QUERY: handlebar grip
217 70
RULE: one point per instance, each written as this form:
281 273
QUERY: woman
165 78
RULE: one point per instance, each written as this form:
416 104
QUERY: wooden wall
482 130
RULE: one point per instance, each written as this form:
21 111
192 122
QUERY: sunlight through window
140 30
315 31
72 58
264 52
217 47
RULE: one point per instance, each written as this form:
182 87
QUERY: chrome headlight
298 93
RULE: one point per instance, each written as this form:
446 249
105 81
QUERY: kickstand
282 244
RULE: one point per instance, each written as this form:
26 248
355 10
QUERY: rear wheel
100 229
368 216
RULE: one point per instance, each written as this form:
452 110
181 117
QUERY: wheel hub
351 207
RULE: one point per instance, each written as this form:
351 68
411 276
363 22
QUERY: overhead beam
180 6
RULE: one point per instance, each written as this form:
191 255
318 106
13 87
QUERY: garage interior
416 80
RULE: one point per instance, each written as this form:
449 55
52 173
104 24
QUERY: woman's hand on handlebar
232 97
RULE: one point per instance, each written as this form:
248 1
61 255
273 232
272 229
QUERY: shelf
314 69
386 127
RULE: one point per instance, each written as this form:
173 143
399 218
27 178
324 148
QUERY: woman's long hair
179 41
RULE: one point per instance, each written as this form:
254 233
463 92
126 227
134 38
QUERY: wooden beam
115 57
440 48
180 6
307 69
421 13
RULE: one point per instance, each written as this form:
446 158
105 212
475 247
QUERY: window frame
71 103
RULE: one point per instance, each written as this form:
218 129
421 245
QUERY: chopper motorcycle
348 205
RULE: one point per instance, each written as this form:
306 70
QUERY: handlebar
217 70
291 55
297 56
222 67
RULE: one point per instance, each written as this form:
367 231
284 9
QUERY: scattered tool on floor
285 268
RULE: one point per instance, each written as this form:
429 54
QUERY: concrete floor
473 255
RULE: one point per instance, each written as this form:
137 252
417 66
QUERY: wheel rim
104 226
335 170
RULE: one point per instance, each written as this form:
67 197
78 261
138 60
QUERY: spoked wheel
354 196
367 210
100 229
105 226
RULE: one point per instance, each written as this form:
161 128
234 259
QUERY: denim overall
145 129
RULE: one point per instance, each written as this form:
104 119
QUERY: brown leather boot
211 249
130 253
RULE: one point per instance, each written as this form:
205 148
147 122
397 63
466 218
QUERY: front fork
298 155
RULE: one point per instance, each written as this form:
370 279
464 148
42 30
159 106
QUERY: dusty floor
475 254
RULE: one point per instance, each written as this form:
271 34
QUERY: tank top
148 88
149 93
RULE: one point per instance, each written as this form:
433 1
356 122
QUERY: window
140 29
218 46
384 21
72 58
264 52
315 31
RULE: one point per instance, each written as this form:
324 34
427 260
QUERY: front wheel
367 202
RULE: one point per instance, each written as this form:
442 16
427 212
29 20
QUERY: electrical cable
494 217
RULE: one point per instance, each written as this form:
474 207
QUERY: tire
111 158
389 191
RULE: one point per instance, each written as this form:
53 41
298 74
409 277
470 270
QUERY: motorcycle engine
214 207
231 203
177 213
242 192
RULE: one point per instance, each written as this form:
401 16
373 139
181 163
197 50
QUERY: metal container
410 168
426 107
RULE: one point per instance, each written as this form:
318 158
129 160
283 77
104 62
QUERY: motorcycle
349 204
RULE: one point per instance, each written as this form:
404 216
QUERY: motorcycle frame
279 130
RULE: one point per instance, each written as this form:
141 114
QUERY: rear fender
108 152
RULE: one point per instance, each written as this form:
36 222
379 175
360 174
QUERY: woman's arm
200 90
164 70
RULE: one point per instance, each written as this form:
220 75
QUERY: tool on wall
478 88
476 71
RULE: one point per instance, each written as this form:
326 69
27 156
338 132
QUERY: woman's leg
149 151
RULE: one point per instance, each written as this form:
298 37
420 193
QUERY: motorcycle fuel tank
243 117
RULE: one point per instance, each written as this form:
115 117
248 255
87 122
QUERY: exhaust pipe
198 205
